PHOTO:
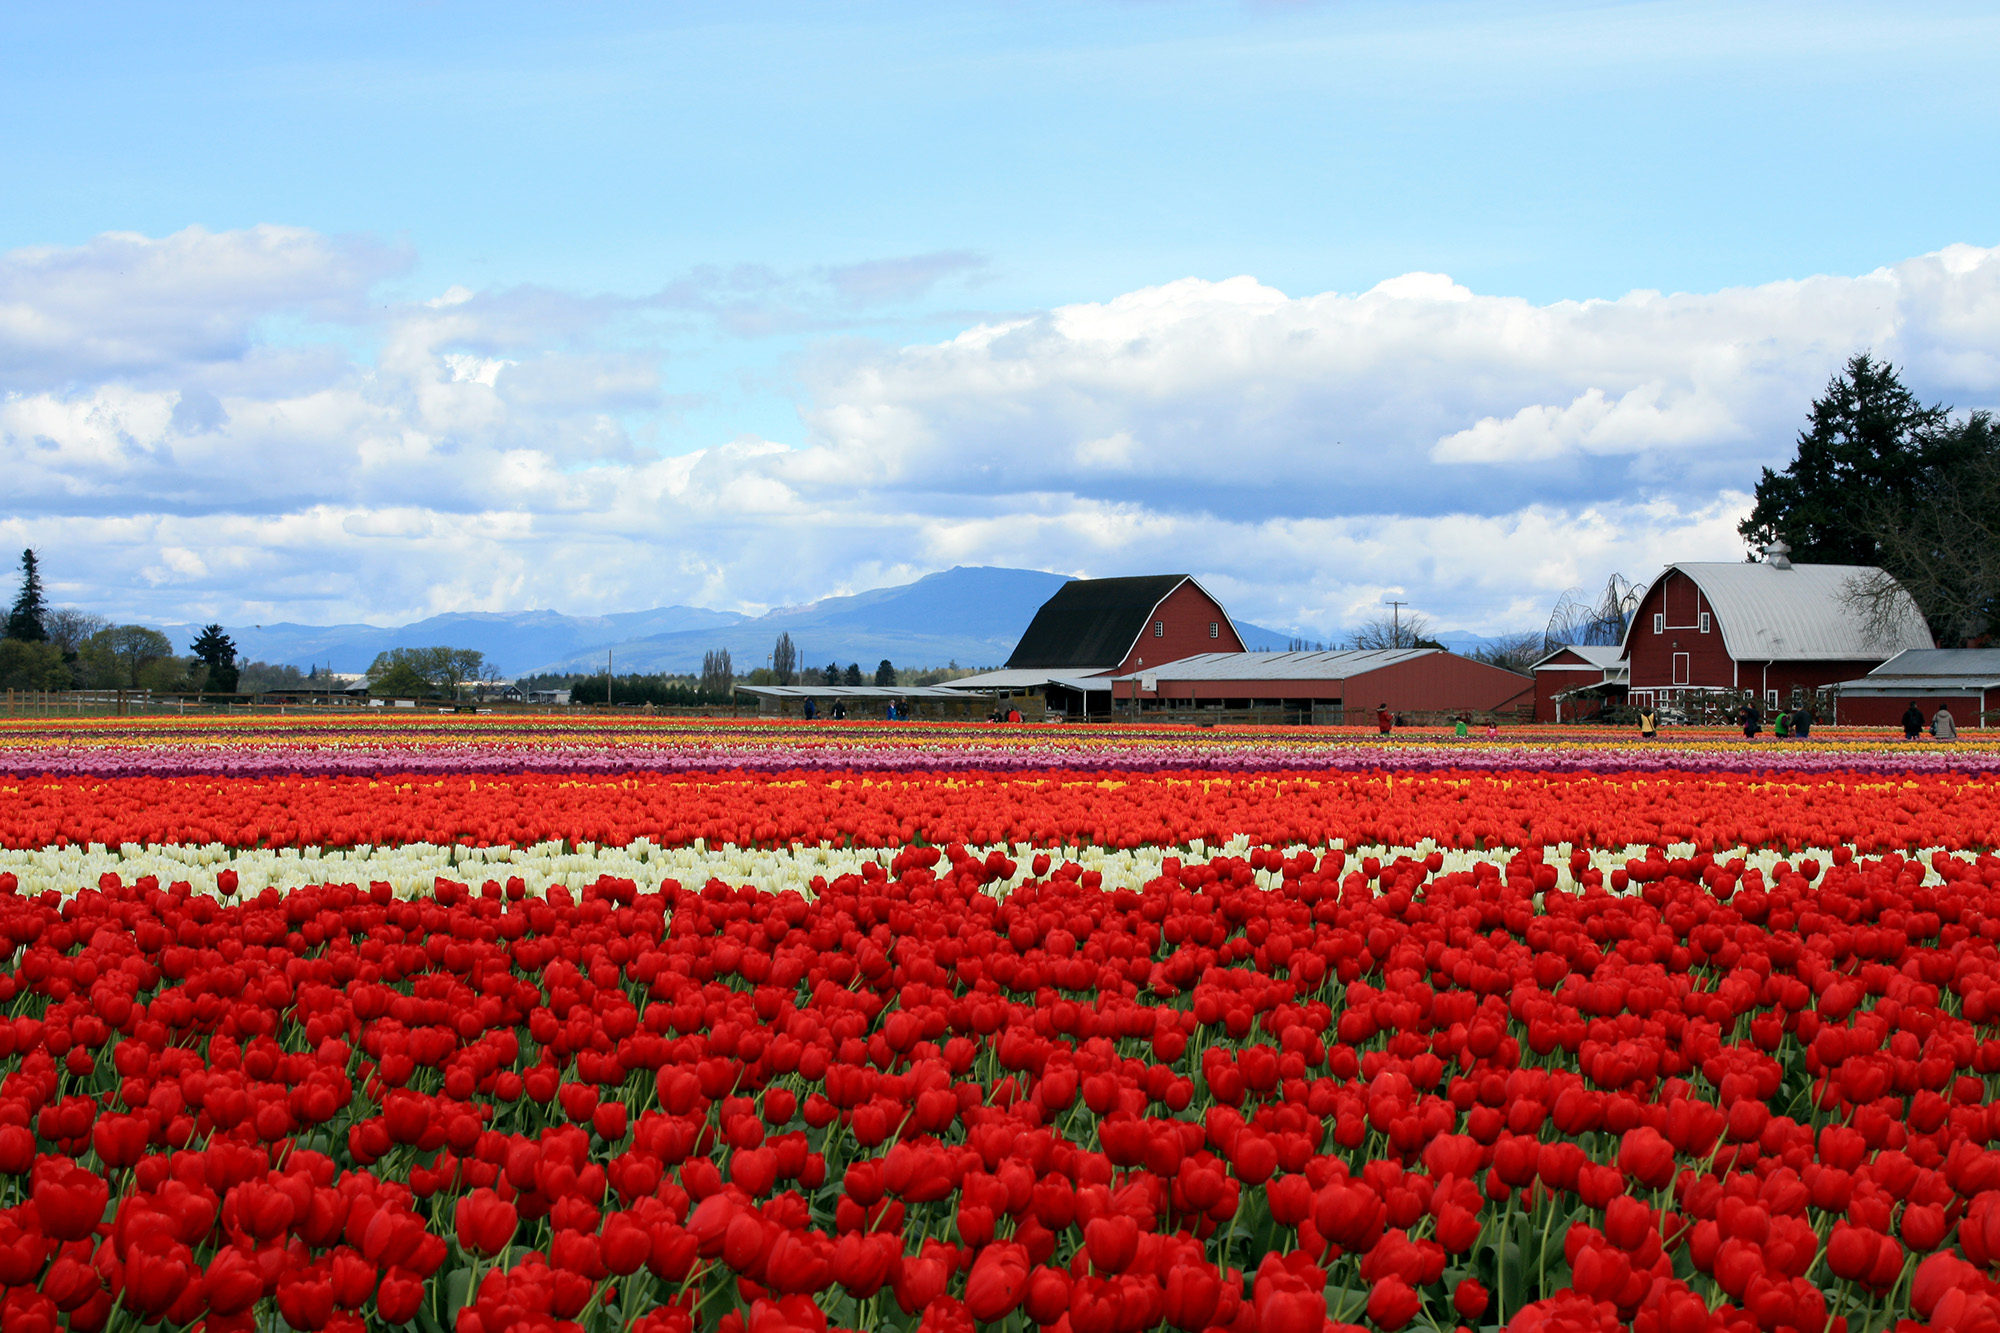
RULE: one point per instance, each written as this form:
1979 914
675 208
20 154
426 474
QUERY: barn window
1159 629
1704 622
1214 629
1659 622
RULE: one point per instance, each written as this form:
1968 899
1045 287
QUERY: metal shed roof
1603 655
1959 663
1281 666
1895 687
1792 614
848 692
1021 678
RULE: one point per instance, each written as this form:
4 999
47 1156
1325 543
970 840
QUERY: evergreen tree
853 674
885 674
785 660
25 621
218 651
1866 445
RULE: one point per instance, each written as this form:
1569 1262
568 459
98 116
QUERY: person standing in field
1913 721
1649 724
1944 726
1384 719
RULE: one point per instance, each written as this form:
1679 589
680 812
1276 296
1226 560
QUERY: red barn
1772 628
1093 629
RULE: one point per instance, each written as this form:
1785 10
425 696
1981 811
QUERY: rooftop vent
1778 555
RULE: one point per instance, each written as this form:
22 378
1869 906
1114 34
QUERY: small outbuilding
1967 680
862 701
1577 681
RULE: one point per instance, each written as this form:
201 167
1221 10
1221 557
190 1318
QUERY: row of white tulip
413 868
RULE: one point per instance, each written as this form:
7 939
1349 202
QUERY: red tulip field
481 1025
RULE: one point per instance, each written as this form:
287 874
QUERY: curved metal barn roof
1795 613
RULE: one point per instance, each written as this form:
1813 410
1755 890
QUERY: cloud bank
238 425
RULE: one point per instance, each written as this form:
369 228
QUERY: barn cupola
1778 555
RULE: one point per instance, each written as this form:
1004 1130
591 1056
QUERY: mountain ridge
968 614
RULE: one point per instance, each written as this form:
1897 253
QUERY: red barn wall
1551 680
1651 654
1438 683
1184 615
1871 711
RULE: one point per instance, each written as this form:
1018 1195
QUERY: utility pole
607 678
1396 619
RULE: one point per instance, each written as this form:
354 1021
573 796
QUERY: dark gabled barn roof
1092 622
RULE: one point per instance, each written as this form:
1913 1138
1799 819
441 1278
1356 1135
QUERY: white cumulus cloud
179 449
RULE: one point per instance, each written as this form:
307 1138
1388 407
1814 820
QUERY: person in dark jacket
1802 721
1752 720
1913 721
811 709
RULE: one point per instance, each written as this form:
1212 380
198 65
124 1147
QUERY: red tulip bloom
486 1224
997 1282
1392 1304
69 1201
1645 1156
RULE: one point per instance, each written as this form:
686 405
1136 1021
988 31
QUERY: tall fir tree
28 620
1865 446
218 651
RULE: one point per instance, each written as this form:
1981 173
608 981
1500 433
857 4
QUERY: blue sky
750 305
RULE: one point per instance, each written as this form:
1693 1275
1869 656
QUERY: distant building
548 696
1967 680
864 701
1773 628
1093 629
1335 687
1578 680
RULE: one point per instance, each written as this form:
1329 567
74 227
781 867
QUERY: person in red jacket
1384 719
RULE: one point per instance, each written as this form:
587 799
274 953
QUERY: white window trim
1659 622
1159 629
1704 622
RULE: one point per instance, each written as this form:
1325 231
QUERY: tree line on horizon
47 648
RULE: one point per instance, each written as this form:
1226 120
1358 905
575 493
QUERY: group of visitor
1944 726
1797 724
898 710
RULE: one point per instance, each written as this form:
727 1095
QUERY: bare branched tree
1512 652
1411 631
717 674
1943 544
1592 624
68 627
